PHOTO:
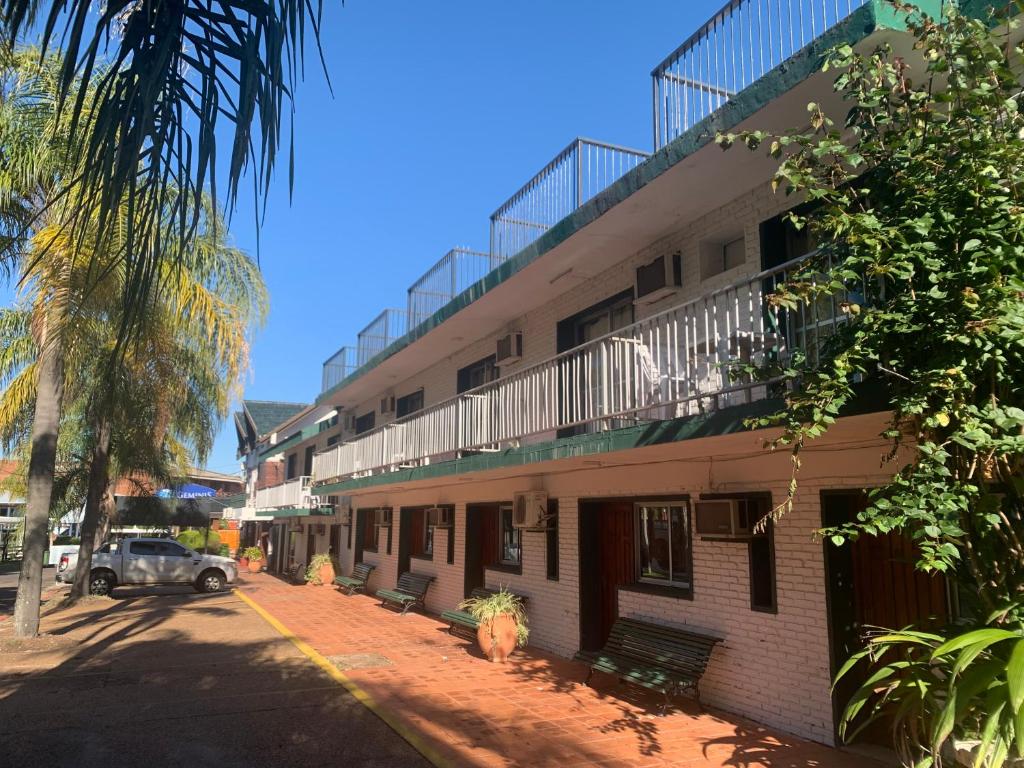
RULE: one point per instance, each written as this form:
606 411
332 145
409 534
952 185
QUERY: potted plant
320 570
254 557
502 623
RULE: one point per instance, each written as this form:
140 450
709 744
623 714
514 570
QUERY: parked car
132 562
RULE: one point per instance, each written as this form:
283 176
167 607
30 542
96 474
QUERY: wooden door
310 542
481 543
607 562
872 582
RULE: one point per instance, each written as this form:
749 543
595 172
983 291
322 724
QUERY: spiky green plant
499 603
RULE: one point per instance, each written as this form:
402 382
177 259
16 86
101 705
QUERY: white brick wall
773 668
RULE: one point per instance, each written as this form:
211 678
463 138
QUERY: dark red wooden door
607 562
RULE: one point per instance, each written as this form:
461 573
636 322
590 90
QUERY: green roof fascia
290 442
870 397
321 511
875 14
235 501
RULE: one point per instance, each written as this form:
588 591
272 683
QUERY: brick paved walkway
532 711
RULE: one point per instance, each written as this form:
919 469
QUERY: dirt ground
167 677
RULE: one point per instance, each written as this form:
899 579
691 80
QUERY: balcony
337 368
578 173
673 364
291 493
389 326
455 272
736 47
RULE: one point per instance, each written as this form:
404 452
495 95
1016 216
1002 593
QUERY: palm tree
146 86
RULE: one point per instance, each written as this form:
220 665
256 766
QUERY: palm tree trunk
45 424
99 467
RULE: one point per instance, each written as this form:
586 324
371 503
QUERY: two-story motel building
574 366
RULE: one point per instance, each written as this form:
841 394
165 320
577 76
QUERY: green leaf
1015 676
982 637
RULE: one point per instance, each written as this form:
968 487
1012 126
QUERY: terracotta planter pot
327 575
497 637
243 562
255 566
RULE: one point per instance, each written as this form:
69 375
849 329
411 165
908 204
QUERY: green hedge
194 539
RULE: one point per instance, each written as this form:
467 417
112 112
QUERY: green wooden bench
463 621
410 591
657 657
357 581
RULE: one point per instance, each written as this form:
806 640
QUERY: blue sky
440 112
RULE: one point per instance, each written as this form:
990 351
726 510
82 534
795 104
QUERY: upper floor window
332 440
781 241
292 471
307 460
720 256
365 422
409 404
663 543
477 374
326 424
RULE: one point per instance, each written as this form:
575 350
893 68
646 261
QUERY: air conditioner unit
387 405
345 516
382 517
509 348
440 517
349 425
530 510
722 519
660 278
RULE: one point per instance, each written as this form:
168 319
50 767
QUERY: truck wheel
210 581
101 583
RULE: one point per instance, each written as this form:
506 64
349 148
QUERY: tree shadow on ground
174 680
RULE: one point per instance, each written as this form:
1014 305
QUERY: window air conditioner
440 517
660 278
530 511
349 425
387 405
345 516
509 348
722 519
382 517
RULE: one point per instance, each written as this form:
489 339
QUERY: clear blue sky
441 110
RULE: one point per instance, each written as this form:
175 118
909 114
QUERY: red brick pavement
532 711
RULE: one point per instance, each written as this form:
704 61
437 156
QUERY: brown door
482 543
607 562
873 583
310 543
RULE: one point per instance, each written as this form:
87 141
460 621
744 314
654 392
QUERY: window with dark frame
510 539
332 440
307 460
371 531
663 543
365 422
409 404
422 535
477 374
290 471
761 557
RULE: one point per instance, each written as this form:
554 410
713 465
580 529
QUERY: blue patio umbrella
186 491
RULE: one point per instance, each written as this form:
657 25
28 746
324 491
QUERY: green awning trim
872 16
321 511
291 441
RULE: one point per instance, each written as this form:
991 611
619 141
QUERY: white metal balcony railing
455 272
738 45
338 367
386 328
580 171
672 364
291 493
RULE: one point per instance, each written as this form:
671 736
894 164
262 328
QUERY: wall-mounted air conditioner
509 348
345 516
387 405
440 517
382 517
658 279
530 510
722 519
349 424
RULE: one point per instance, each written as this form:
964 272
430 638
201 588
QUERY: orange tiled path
531 711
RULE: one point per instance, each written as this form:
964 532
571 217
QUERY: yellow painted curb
415 740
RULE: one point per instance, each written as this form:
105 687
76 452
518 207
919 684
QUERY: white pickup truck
150 561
